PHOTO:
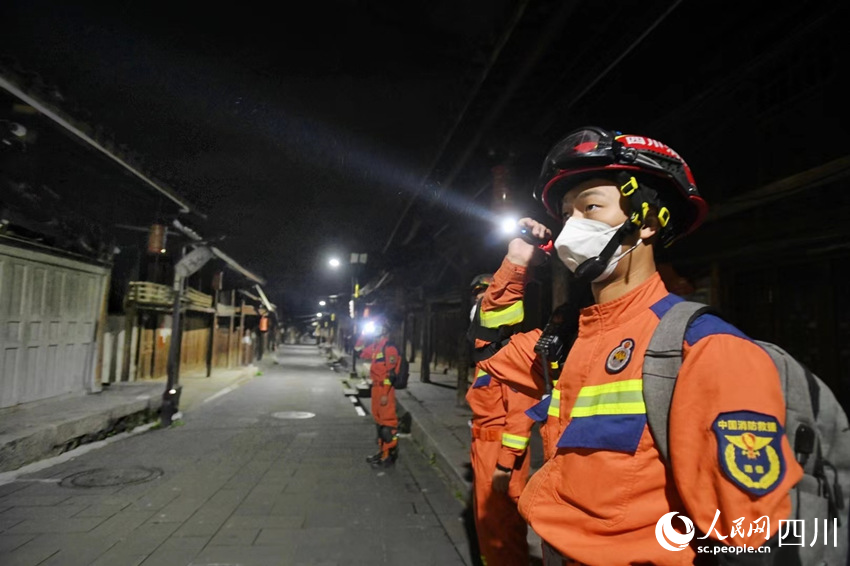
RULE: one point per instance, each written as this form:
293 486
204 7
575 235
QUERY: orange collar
601 317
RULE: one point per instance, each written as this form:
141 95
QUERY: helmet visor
584 146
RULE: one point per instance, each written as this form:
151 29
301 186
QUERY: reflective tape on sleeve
514 441
555 406
505 316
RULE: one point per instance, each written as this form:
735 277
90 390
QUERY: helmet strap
641 198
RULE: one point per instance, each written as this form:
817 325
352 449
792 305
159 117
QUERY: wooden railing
145 293
198 299
227 310
155 295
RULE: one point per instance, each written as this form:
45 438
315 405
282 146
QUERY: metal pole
230 331
242 353
425 367
171 396
129 326
212 337
100 336
355 292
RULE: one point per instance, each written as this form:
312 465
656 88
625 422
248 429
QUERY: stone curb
53 437
45 440
443 448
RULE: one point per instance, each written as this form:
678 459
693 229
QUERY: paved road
238 484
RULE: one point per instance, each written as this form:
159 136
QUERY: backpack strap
661 364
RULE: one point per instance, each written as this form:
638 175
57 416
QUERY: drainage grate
109 477
293 415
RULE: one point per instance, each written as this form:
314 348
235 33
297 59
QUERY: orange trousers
386 420
502 532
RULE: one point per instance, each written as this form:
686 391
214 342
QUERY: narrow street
268 473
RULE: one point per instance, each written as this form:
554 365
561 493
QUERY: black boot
388 461
374 458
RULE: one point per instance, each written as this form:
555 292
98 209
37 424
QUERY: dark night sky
299 130
303 130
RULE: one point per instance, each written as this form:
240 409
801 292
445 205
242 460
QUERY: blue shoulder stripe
705 325
661 307
540 411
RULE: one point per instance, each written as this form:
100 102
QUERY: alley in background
270 473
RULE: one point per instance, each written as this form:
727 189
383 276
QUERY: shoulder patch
749 450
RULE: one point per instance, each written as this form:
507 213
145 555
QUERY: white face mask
582 239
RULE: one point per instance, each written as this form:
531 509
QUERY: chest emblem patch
750 451
620 356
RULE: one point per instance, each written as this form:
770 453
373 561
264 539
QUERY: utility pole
425 366
356 293
188 264
357 259
231 329
211 340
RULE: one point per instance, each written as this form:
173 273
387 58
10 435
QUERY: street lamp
322 303
356 260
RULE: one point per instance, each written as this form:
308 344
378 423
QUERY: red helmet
590 150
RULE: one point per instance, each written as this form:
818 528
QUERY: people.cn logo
671 539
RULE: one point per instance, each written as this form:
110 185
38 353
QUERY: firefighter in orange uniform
501 432
385 362
517 362
601 497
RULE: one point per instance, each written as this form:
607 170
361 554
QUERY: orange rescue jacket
497 408
598 499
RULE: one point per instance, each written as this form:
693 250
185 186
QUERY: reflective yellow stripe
610 409
618 398
387 382
627 385
514 441
555 404
480 373
505 316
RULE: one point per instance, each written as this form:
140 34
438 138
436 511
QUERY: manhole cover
107 477
293 415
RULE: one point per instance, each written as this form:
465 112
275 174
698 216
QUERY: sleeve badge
749 450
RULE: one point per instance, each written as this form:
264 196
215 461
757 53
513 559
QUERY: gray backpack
816 427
